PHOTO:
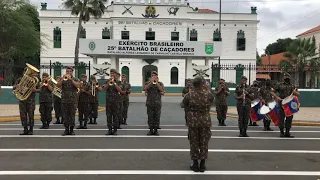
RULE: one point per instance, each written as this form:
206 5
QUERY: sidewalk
307 116
10 112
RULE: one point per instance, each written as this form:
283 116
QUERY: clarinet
244 96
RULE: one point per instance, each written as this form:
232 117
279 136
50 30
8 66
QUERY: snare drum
290 105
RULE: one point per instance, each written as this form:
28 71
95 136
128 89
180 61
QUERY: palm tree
301 53
84 9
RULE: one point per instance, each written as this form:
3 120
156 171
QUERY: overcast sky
278 18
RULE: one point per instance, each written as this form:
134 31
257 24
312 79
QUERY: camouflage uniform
45 99
153 104
221 104
26 109
120 105
198 101
127 88
83 106
243 109
69 103
265 93
93 105
256 94
57 109
113 107
284 89
185 91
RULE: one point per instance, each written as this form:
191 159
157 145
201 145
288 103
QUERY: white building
173 20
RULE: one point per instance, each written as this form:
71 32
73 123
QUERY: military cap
286 74
113 71
45 74
69 67
154 72
197 80
118 73
92 77
124 75
58 77
221 79
244 77
83 75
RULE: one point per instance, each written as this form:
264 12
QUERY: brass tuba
28 82
56 91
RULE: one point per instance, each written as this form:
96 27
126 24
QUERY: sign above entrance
157 23
150 48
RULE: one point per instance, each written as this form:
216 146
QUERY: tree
301 53
258 59
84 9
278 47
19 37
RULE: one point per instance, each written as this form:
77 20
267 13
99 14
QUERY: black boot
155 132
241 133
254 124
71 130
80 125
195 166
287 134
125 121
115 131
90 121
95 121
281 133
43 125
66 131
150 131
30 131
85 125
245 133
202 165
25 131
222 122
109 131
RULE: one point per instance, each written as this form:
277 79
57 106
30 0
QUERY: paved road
90 155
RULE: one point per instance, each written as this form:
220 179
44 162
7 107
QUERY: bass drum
255 102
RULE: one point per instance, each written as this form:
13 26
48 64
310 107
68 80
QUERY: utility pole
219 29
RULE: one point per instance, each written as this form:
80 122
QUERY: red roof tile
315 29
206 11
274 59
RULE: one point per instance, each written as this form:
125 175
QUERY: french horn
27 83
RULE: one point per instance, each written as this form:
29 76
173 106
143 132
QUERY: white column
188 68
206 61
114 60
94 60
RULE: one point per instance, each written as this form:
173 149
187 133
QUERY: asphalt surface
91 155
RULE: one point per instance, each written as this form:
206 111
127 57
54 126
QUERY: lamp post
219 28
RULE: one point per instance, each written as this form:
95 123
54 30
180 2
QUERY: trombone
46 82
94 85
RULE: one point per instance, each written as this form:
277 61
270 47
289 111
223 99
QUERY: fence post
89 68
249 73
50 68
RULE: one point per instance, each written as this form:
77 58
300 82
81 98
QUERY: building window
83 33
241 41
57 37
125 70
193 35
217 35
174 36
125 35
106 33
174 75
150 35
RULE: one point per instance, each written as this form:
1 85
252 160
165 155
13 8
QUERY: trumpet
155 81
66 78
111 81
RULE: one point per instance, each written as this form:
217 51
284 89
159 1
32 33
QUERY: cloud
278 18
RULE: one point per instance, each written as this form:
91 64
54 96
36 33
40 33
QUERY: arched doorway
146 72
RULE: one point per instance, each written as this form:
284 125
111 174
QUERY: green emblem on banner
92 46
209 48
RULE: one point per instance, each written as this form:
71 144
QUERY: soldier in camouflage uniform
94 100
266 96
112 102
26 108
153 103
198 101
83 105
285 89
45 99
57 106
222 92
256 95
243 96
120 101
69 100
185 91
127 90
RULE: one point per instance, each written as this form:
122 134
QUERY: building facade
170 21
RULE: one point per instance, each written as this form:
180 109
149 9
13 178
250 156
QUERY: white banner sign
150 48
